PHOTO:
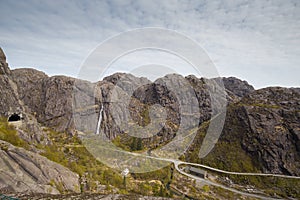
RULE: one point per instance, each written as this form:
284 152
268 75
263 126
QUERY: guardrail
4 197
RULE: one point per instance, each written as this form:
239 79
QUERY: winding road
208 182
177 163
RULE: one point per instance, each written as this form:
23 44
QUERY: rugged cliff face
273 129
23 170
261 133
238 87
4 69
9 101
270 123
50 99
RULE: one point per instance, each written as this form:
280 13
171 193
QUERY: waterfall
99 121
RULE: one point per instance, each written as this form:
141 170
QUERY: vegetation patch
9 134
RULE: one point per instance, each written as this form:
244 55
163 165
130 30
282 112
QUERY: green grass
69 152
9 134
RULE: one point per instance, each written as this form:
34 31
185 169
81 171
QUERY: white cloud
255 40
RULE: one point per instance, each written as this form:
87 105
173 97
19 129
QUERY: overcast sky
258 41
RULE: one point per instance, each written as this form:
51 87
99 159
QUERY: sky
257 41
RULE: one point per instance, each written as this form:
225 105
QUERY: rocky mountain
261 125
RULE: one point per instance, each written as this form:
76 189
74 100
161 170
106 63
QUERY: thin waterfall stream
99 121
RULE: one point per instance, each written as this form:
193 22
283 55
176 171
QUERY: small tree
139 145
133 145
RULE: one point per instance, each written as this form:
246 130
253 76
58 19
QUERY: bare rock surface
4 69
266 125
9 101
238 87
28 172
273 135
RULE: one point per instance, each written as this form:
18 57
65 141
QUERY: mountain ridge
263 123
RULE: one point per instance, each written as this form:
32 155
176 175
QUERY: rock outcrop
4 69
23 171
238 87
273 133
264 127
49 99
9 101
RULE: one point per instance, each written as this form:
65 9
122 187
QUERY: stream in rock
99 121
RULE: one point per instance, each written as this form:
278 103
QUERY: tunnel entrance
14 117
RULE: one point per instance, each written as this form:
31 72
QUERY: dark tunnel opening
14 117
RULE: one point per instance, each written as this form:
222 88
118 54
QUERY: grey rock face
267 123
49 99
58 102
12 96
9 101
30 88
238 87
126 81
4 69
274 124
24 171
115 92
